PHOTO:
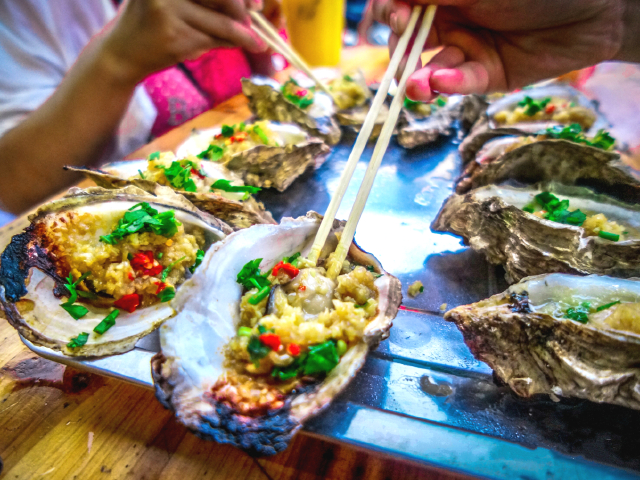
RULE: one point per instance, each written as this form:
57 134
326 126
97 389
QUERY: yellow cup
315 29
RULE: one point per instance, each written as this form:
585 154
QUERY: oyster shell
545 160
491 220
486 127
31 287
473 106
266 166
267 102
523 336
415 129
192 358
230 208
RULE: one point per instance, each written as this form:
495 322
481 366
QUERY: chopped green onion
168 269
244 332
614 237
141 175
225 186
76 311
108 322
213 153
159 255
78 341
261 134
167 294
261 295
341 347
608 305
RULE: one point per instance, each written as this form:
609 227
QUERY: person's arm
78 121
500 45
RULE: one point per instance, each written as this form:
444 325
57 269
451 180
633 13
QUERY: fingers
256 5
394 13
420 86
222 28
233 8
470 77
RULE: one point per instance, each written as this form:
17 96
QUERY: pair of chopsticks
271 37
340 254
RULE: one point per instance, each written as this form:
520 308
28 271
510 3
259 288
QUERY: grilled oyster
352 97
103 249
281 153
550 228
222 396
531 111
424 123
561 335
538 159
192 178
311 110
473 106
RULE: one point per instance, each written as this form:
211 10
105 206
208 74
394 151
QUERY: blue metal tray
421 394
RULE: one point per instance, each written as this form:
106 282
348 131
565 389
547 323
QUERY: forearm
73 127
630 49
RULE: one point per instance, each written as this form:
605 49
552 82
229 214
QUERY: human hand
500 45
150 35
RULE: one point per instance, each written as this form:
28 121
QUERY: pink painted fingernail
454 78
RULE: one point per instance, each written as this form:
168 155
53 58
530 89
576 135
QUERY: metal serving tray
421 395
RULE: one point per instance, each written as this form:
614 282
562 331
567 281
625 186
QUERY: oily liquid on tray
315 29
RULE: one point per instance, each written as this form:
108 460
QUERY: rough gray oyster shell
236 213
546 160
415 130
186 369
266 166
486 128
491 220
522 335
268 103
29 280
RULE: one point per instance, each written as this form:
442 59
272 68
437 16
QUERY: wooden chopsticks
271 37
340 254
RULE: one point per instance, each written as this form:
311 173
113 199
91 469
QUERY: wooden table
57 422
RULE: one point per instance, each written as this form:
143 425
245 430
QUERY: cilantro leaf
227 131
143 218
154 156
293 259
261 134
167 294
322 358
179 175
168 269
257 350
579 313
108 322
533 106
573 133
78 341
71 286
76 311
199 257
251 277
213 153
225 186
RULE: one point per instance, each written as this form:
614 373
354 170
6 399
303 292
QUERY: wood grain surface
60 423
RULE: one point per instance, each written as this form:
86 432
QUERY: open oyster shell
268 103
265 166
473 106
546 160
192 358
236 213
491 220
29 282
522 335
415 130
487 128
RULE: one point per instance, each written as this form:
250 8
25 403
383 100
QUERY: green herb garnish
557 210
71 286
166 294
575 134
225 186
154 156
143 218
227 131
141 175
78 341
261 295
441 102
261 134
347 78
579 313
257 350
293 259
76 311
251 271
613 237
301 102
213 153
244 332
199 257
533 106
179 175
169 267
608 305
411 104
322 358
108 322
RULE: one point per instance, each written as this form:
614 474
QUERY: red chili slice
161 287
196 173
550 109
302 288
131 276
144 263
301 93
271 340
288 269
293 349
128 303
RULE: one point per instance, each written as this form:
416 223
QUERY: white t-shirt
39 42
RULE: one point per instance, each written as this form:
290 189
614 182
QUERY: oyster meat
548 228
423 123
539 159
117 256
284 152
191 177
290 103
247 364
561 335
531 111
